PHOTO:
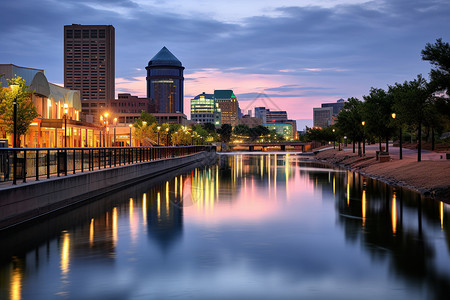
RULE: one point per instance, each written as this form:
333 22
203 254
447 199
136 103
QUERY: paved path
407 153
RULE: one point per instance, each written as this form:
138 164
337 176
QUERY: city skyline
299 53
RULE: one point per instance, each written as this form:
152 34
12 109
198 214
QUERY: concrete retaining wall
27 201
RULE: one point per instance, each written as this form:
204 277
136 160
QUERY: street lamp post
66 110
167 136
364 141
130 133
115 124
15 141
334 142
400 140
159 127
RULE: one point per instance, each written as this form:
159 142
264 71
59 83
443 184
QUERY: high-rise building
270 116
228 105
165 82
337 106
322 116
89 65
205 109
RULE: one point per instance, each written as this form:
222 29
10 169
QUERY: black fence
40 163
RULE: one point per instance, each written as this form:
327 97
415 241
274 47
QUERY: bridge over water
253 146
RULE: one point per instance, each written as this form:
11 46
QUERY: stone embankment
430 177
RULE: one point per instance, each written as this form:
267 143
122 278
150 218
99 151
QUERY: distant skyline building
165 82
337 106
322 116
89 65
327 113
205 109
269 116
127 108
228 105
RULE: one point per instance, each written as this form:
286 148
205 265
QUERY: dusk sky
300 53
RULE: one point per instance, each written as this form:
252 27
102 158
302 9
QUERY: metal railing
40 163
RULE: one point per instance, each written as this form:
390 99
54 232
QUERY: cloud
345 46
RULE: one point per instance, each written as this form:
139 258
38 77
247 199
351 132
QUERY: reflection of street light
364 141
66 110
400 153
130 133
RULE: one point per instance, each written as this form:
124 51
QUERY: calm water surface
269 226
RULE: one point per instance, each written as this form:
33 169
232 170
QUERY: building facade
56 106
205 109
229 106
127 108
89 54
322 117
337 107
165 82
282 129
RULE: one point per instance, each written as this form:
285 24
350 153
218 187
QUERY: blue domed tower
165 82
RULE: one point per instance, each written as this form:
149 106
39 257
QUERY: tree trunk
359 148
419 146
432 138
387 143
379 142
353 146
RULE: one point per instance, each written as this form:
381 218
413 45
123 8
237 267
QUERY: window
93 34
77 34
85 34
101 33
69 34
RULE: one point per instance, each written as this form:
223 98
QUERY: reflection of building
89 65
228 105
164 216
205 109
165 82
51 101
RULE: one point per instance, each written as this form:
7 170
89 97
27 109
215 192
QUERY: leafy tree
181 137
225 133
26 111
439 56
412 99
209 127
349 121
377 111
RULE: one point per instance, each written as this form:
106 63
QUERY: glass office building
205 109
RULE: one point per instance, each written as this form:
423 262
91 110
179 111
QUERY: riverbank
430 177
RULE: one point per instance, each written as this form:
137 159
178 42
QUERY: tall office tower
165 82
228 105
89 66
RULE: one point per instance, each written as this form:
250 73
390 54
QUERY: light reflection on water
252 226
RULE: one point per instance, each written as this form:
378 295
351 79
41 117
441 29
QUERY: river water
267 226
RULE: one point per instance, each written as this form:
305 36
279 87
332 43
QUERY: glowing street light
400 145
363 123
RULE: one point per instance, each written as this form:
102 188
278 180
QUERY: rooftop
164 58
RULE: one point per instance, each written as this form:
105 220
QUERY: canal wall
25 202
